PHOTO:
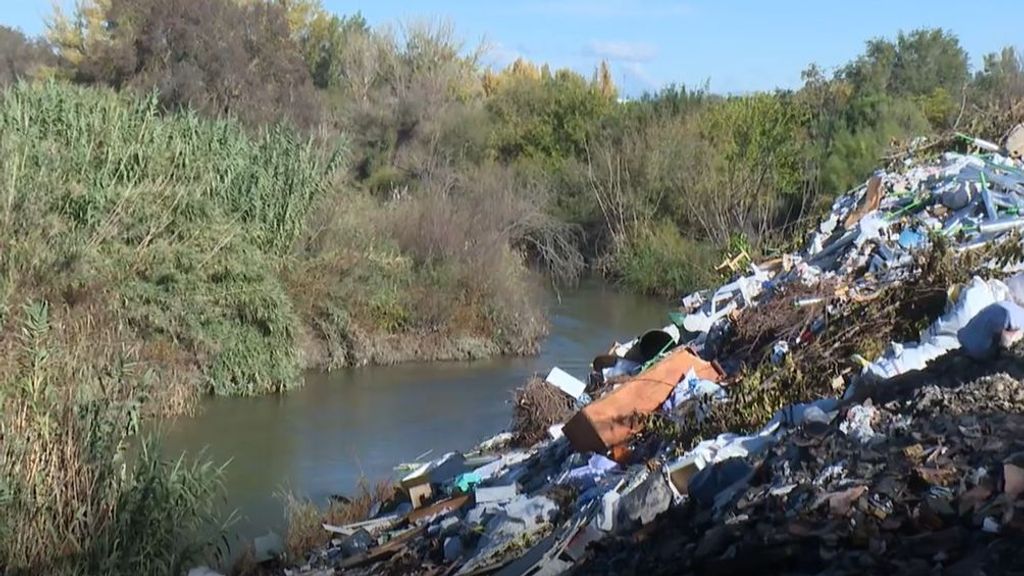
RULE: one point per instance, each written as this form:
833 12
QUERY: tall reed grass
139 259
71 501
181 220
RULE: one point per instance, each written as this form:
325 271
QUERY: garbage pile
931 482
791 418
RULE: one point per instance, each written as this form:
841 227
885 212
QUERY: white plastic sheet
941 336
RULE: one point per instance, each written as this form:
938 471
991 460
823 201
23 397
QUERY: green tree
997 94
545 118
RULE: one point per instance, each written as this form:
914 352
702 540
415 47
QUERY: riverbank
150 259
320 439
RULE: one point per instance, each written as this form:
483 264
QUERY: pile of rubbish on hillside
929 482
872 471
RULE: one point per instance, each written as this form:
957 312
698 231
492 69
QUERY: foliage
72 503
180 219
545 116
218 56
996 97
660 261
21 57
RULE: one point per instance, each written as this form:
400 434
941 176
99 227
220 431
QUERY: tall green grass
139 258
181 220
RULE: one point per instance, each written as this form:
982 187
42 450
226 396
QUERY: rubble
936 489
814 414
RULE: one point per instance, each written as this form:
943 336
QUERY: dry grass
538 406
305 519
72 397
305 531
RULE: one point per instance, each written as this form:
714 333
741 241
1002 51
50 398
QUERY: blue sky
738 46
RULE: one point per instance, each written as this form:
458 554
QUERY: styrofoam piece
566 382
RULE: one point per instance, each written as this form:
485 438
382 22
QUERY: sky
736 46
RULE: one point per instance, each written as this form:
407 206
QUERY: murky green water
319 439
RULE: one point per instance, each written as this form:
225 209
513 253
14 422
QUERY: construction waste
854 407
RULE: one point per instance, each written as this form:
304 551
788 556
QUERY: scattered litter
566 382
858 423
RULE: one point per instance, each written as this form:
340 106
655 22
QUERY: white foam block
566 382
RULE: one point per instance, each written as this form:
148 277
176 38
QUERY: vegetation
604 180
305 531
71 502
206 196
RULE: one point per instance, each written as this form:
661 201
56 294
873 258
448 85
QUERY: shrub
660 261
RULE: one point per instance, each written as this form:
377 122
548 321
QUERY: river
319 439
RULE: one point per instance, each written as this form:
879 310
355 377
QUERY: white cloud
499 56
622 51
610 8
635 74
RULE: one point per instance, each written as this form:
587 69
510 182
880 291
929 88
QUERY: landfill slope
937 487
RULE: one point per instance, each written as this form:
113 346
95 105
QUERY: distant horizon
750 47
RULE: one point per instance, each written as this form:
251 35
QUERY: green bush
182 221
661 261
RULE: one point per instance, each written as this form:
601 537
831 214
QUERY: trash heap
929 482
806 415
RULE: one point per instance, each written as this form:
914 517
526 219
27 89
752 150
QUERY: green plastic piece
676 317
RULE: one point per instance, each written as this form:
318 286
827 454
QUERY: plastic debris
858 423
566 382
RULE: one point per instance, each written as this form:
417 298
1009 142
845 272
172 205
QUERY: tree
21 57
548 118
927 66
323 39
997 94
218 56
604 82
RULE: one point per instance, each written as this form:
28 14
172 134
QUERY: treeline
633 189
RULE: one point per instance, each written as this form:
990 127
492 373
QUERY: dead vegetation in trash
538 406
305 533
779 317
864 328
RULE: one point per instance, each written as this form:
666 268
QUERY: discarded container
994 227
419 490
980 143
650 345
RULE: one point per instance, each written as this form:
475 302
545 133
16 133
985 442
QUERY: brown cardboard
609 421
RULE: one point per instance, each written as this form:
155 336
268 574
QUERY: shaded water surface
319 439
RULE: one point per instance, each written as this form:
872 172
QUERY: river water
319 439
